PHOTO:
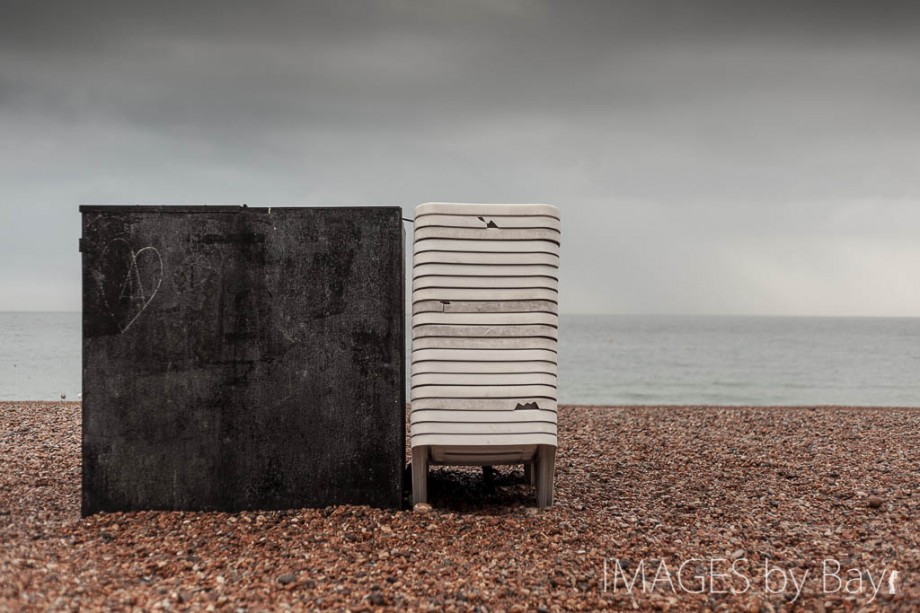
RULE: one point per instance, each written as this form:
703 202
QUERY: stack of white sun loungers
484 334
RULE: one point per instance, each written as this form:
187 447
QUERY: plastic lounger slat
422 357
490 234
484 440
486 246
448 330
480 271
466 343
430 367
484 306
487 319
518 415
482 221
487 258
471 450
482 404
464 208
510 392
479 380
483 428
451 294
477 455
485 282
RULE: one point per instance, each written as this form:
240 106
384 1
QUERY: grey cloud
689 144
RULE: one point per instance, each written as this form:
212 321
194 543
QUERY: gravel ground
642 488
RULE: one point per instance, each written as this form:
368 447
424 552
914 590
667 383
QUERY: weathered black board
242 358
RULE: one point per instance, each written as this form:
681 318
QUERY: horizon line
625 314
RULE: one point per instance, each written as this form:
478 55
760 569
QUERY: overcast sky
707 157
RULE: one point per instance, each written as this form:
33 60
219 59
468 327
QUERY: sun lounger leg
419 474
530 475
546 464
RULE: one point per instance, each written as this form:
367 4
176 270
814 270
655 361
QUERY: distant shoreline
621 360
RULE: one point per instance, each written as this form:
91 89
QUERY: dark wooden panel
240 358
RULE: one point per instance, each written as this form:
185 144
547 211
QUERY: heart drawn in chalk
129 280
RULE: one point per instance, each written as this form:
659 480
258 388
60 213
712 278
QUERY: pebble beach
751 509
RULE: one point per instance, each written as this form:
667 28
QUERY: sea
613 360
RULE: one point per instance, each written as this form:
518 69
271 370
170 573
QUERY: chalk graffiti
196 270
134 294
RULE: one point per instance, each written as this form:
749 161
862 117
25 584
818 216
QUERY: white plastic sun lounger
484 333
